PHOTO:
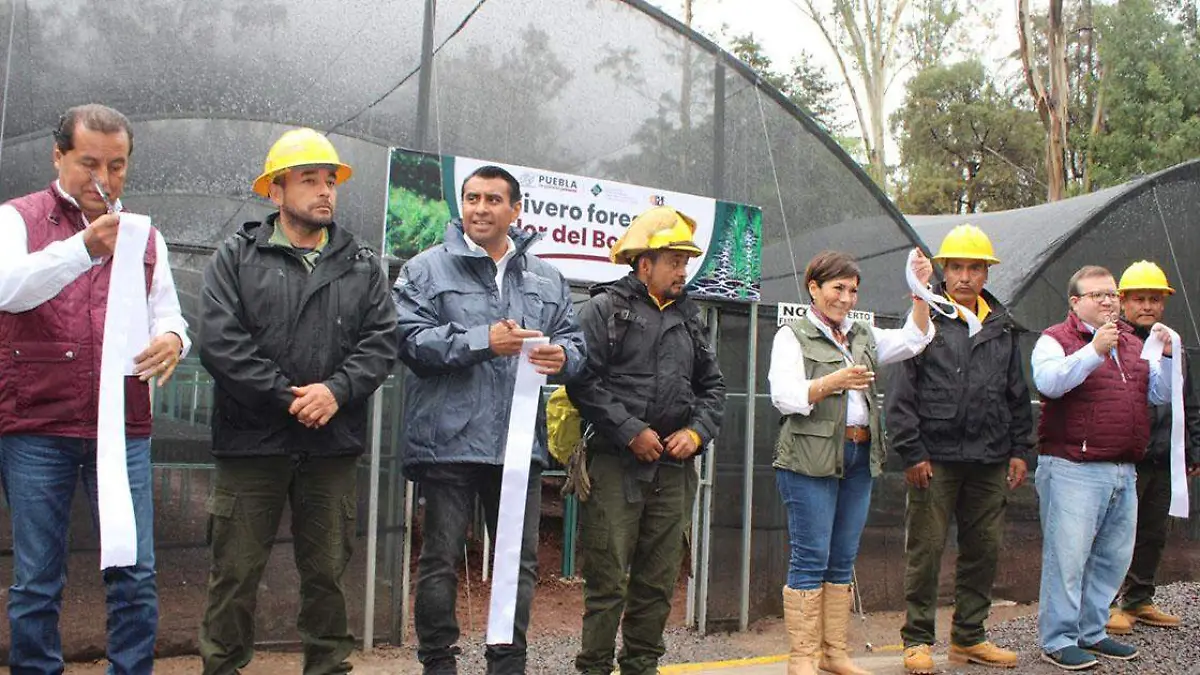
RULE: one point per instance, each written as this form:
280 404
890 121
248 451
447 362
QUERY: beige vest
813 444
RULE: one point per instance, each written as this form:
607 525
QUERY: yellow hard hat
662 227
299 147
1144 275
969 243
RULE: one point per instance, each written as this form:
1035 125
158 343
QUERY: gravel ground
1163 651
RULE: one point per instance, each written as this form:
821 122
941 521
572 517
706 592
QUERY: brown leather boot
1119 622
984 654
802 617
835 657
1153 616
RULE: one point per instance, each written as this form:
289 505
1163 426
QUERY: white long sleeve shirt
28 280
788 381
1055 373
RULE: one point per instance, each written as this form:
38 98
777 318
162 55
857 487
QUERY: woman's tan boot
802 617
835 657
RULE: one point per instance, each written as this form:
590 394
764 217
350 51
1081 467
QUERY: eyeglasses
1101 296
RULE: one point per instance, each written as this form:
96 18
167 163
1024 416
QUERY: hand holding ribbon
942 305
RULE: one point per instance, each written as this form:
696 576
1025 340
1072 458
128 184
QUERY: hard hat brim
262 184
628 255
1146 287
989 259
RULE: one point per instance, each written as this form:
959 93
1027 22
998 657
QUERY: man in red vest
56 248
1093 430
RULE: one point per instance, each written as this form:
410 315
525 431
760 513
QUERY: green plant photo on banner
417 209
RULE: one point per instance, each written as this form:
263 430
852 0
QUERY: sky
783 32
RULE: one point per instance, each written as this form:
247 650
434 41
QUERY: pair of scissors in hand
108 203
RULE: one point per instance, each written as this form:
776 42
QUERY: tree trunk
1051 104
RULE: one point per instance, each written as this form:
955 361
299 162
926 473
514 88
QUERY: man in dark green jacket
651 396
297 330
959 415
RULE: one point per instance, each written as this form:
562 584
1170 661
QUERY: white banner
510 522
126 330
581 217
790 311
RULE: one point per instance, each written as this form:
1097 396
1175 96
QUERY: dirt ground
880 629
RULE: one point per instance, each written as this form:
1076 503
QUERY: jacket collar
455 241
633 290
260 233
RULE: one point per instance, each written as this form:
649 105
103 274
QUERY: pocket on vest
41 395
810 447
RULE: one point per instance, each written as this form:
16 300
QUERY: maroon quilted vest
50 355
1104 419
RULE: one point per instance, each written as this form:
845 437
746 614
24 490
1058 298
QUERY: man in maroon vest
1094 427
56 248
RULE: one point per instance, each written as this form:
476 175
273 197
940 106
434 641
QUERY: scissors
112 208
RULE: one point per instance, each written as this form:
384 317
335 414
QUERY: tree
965 146
806 84
1151 114
865 39
1051 101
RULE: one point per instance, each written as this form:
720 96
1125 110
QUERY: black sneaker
1111 649
1071 658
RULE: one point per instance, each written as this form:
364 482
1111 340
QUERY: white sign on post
790 311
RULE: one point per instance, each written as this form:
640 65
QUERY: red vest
50 355
1105 419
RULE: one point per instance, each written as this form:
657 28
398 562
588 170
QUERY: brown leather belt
858 434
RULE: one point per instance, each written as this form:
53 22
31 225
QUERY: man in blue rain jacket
465 306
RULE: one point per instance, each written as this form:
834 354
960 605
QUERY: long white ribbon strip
126 328
1152 351
937 302
510 524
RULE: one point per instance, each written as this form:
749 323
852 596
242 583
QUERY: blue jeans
40 474
1089 513
826 517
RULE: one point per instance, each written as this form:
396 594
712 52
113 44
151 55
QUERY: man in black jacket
297 331
1144 290
652 395
959 415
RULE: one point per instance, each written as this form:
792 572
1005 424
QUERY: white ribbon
510 522
1153 351
126 328
937 302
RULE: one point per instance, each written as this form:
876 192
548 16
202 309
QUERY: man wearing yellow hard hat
1144 291
651 396
959 416
297 330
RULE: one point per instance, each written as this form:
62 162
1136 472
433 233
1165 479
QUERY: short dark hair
1085 272
830 265
493 171
94 117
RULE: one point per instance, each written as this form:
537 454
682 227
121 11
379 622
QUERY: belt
858 434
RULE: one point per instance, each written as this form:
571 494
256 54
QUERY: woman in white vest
822 380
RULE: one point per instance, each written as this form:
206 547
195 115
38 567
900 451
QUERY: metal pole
748 467
373 510
706 555
406 573
423 80
718 174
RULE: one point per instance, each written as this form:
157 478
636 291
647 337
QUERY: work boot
1151 616
985 654
802 617
918 660
1119 622
835 657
